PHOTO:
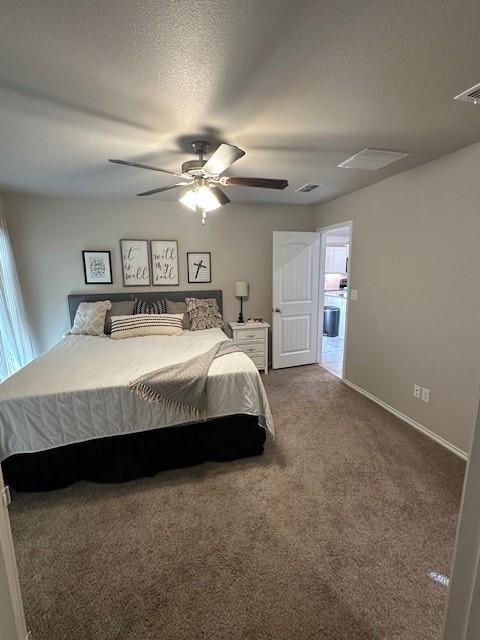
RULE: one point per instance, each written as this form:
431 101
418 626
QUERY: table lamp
241 291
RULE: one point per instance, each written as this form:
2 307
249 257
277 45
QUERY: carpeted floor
331 534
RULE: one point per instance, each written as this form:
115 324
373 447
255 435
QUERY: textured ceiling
299 85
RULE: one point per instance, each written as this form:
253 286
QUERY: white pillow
147 324
90 318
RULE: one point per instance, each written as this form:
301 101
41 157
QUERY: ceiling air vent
310 186
471 95
372 159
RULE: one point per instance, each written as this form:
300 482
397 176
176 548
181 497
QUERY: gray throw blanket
182 385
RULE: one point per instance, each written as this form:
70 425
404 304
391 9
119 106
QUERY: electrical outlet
425 394
417 391
354 294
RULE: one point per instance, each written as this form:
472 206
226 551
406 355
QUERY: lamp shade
241 288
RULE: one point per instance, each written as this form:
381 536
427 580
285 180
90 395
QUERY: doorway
334 288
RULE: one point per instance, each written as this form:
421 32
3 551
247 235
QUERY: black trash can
331 321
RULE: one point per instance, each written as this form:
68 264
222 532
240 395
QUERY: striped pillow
146 324
142 306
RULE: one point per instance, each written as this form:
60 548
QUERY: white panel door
296 271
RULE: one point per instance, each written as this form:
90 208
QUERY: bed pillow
203 313
121 308
90 318
179 307
156 306
146 324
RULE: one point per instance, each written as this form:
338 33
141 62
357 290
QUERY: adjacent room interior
334 260
239 373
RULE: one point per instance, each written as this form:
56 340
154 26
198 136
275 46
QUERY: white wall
416 264
49 233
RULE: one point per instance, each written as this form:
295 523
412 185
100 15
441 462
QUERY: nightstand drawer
247 335
253 348
259 361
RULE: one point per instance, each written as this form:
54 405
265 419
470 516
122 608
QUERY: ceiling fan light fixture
205 177
202 198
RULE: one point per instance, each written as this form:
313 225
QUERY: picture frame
164 259
135 263
97 267
199 266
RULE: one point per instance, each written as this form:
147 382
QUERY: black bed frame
125 457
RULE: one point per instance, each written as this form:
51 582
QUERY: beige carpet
331 534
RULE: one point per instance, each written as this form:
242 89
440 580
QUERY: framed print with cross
199 266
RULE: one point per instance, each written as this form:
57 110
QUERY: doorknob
277 310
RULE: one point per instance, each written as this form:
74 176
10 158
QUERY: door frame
462 619
11 603
321 294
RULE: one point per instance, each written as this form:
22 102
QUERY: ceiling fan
204 176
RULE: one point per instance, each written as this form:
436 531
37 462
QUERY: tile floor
332 354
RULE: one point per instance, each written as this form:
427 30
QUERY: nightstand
252 339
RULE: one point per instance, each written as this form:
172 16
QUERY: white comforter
78 390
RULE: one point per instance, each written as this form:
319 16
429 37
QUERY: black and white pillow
203 313
147 324
156 306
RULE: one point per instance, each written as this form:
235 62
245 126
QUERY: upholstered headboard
74 299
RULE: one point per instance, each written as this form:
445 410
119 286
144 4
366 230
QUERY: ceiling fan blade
222 158
139 165
265 183
220 195
160 189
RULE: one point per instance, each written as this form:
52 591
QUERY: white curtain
16 347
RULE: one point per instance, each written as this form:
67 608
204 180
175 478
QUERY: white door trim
321 293
462 621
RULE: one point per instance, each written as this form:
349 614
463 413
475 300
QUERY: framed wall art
199 266
164 255
97 267
135 263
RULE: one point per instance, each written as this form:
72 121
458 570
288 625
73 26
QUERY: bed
70 414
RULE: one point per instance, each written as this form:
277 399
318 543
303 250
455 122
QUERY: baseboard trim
416 425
